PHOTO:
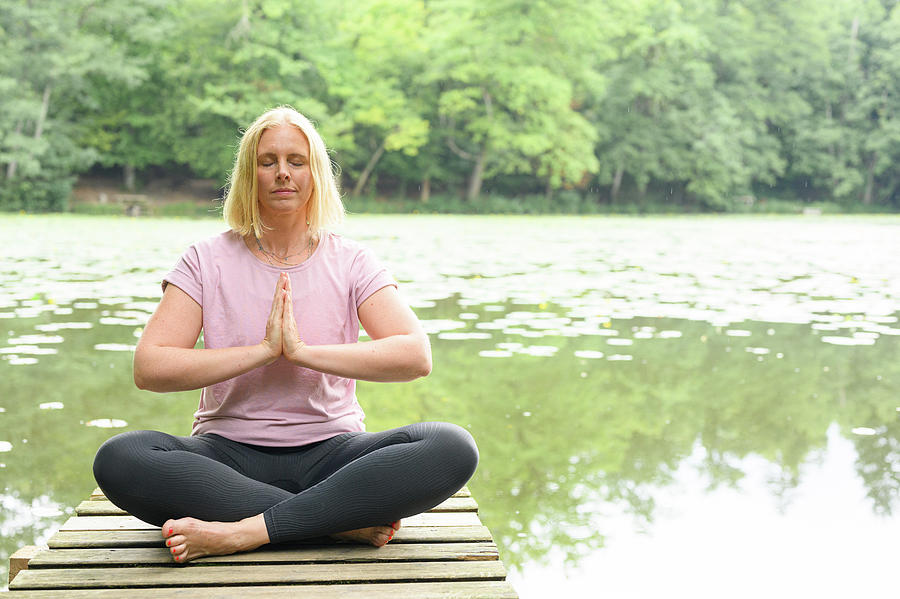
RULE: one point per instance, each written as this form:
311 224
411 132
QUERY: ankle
252 532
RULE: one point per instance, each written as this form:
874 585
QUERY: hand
273 341
291 344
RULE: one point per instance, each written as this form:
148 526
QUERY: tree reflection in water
558 434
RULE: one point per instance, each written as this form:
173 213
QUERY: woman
277 452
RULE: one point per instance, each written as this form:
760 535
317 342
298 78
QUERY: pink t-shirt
279 404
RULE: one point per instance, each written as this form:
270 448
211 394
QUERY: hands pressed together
282 337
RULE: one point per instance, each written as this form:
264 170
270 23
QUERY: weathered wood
153 576
343 553
19 560
105 553
74 539
132 523
419 590
97 494
102 507
91 538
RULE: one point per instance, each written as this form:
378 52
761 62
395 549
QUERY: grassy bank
561 204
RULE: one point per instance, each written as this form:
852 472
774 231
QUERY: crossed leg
214 496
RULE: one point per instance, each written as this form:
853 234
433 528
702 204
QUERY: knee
107 459
114 461
460 450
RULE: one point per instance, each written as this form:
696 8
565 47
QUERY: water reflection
577 430
595 360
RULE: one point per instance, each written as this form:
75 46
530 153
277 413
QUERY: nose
283 173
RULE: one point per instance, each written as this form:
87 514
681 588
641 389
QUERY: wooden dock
103 552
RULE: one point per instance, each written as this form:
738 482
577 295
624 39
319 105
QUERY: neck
285 234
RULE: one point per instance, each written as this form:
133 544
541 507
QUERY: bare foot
189 538
377 536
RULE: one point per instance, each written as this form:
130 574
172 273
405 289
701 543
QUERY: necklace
284 260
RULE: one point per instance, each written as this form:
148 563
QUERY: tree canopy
700 103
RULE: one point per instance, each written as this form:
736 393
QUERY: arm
399 350
165 358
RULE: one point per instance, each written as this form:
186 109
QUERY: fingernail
168 543
177 557
170 530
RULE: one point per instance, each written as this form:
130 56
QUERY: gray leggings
346 482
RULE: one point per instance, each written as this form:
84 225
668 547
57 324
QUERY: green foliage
689 104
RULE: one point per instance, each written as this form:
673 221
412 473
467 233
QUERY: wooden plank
56 558
91 538
103 507
97 494
420 590
132 523
154 576
19 560
73 539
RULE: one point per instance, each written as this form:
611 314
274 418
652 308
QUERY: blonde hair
241 210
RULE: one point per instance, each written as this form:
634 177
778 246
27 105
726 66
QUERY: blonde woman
278 450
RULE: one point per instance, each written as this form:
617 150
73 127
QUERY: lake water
689 407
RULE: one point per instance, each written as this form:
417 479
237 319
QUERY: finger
278 288
278 318
289 304
290 323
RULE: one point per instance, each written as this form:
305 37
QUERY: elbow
142 374
145 383
422 366
140 380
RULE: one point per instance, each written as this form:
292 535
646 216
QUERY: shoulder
223 245
205 253
226 240
341 243
342 249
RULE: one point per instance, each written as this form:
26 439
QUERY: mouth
283 191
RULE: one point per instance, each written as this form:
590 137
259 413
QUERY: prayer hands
282 337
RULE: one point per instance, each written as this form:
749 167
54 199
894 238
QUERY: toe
168 528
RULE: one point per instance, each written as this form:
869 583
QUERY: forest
560 105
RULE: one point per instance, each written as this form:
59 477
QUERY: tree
75 43
503 106
369 64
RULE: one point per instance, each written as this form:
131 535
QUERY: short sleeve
186 275
368 275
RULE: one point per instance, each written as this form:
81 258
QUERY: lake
698 406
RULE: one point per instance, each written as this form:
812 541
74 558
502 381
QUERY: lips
284 190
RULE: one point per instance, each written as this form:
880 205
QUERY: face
283 177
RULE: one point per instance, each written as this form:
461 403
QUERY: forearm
391 359
164 369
